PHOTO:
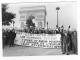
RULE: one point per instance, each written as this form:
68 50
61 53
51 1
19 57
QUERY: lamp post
57 8
13 24
47 25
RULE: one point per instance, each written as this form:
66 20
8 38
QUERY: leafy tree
6 16
30 23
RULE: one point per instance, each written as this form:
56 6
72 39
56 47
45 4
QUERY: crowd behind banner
68 37
38 40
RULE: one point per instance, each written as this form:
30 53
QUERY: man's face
74 33
65 34
13 30
63 31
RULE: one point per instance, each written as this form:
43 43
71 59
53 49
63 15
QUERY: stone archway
40 24
39 12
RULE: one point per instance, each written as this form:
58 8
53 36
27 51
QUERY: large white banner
38 40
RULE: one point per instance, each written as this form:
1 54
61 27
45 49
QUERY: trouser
65 48
7 40
11 42
70 45
74 48
62 43
3 42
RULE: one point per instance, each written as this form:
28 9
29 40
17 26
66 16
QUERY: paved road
29 51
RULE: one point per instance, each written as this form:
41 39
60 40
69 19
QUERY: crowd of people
35 30
68 37
8 37
69 42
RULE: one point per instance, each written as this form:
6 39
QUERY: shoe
63 53
76 53
67 54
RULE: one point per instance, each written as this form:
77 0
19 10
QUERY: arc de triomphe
39 12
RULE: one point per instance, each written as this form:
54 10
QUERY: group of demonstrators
8 37
68 37
38 31
68 41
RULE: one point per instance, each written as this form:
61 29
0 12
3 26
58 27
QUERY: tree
6 16
29 21
47 25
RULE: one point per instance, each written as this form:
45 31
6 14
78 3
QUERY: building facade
39 12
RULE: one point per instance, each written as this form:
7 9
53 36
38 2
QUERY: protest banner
38 40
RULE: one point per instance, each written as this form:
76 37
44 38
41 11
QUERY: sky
67 13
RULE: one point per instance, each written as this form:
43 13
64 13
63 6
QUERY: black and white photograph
39 29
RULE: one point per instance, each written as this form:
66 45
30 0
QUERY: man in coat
74 42
62 35
66 42
12 37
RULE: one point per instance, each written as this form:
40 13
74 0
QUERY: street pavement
30 51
